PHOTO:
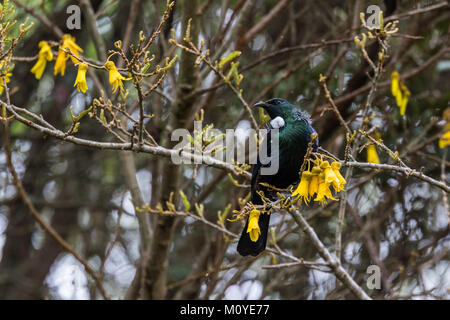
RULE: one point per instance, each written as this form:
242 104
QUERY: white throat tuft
277 123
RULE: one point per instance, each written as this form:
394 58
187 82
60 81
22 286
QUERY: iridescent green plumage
294 137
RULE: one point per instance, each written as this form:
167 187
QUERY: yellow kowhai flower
372 155
80 81
314 183
335 166
444 140
405 97
115 78
400 92
45 54
68 43
395 87
60 64
303 187
330 176
253 226
7 80
324 191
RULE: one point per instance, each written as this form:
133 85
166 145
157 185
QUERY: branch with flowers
133 94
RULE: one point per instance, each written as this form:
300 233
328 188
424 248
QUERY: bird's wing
304 116
255 182
256 174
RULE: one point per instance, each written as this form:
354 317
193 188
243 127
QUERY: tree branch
335 265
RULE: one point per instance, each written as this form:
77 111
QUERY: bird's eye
277 101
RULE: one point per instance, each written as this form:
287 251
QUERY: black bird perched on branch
294 135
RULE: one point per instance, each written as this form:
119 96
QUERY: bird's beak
260 105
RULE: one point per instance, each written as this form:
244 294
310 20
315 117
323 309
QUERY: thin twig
42 18
407 171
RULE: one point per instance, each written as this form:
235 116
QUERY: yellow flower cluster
318 181
68 44
400 92
253 225
46 55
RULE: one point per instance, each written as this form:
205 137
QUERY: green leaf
233 55
186 203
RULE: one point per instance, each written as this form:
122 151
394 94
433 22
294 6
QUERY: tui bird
294 136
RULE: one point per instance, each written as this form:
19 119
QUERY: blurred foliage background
392 220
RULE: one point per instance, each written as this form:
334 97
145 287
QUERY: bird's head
276 107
